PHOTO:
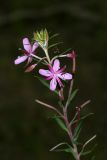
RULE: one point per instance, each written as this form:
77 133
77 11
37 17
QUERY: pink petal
26 44
30 68
61 70
45 73
20 59
35 45
60 83
56 65
66 76
53 84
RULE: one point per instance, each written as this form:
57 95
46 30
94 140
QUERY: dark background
26 129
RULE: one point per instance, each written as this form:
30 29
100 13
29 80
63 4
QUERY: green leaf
58 145
45 83
61 124
53 36
73 119
89 151
68 150
77 131
55 44
73 95
81 119
84 153
68 50
86 116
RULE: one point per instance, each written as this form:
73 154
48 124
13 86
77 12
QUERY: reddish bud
61 95
30 68
71 55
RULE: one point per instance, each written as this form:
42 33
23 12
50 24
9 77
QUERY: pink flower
55 74
28 51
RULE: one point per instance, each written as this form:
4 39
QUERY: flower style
55 74
28 52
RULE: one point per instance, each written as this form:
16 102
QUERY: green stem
37 57
59 56
72 82
47 55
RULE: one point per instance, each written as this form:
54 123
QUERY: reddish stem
70 133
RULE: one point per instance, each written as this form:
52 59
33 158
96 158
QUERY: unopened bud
61 95
71 55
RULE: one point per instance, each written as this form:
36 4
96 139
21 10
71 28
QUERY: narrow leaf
86 153
53 36
73 95
61 124
55 44
73 120
89 151
77 131
65 51
58 145
81 119
68 150
86 116
91 139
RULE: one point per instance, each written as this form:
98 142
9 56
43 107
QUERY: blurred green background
26 130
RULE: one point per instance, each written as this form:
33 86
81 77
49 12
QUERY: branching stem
70 133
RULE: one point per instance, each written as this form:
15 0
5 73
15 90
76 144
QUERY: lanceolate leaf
73 95
53 45
81 119
86 143
69 149
89 151
86 116
45 83
66 51
77 131
61 124
86 153
58 145
53 36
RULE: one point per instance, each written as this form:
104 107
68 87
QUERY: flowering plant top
53 75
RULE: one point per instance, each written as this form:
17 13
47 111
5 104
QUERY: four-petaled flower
28 52
55 74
